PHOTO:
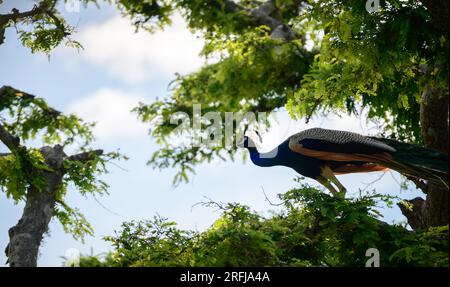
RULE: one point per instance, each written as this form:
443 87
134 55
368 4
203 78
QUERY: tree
312 229
41 28
391 63
40 177
310 57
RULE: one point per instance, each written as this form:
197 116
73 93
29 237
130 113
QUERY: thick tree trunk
434 120
415 215
434 123
26 236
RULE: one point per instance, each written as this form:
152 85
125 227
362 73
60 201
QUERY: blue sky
117 69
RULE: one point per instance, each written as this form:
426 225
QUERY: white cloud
136 57
111 110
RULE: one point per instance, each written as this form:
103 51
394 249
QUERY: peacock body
322 153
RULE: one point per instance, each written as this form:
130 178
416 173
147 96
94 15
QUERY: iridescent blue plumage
284 156
320 154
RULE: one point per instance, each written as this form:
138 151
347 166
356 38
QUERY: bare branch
370 184
270 202
86 156
420 184
261 15
210 202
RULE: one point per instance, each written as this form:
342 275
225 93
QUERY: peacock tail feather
418 162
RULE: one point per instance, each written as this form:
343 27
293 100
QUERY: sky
116 69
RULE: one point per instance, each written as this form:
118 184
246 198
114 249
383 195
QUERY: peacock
321 154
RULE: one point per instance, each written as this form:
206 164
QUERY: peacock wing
334 145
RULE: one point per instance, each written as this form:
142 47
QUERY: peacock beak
259 135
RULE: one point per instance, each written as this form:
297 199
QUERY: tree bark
415 215
434 123
262 16
434 120
39 10
26 236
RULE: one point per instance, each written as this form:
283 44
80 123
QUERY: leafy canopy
26 117
329 56
338 58
342 59
312 229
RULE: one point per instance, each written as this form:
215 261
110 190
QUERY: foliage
72 221
429 248
16 172
343 60
153 243
84 176
254 67
41 28
146 14
27 117
374 61
312 229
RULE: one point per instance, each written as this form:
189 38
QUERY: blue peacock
321 154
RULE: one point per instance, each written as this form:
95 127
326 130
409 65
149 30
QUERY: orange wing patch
333 156
353 168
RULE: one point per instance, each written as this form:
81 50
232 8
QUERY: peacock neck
263 159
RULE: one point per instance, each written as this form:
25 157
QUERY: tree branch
11 142
6 90
420 184
261 15
26 235
16 15
42 8
415 214
86 156
58 23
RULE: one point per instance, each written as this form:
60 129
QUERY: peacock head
248 142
